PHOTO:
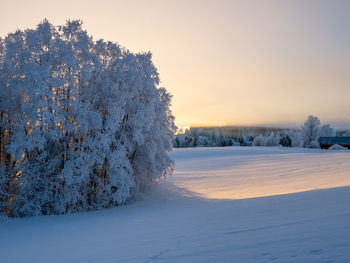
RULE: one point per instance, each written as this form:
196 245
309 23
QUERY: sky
268 63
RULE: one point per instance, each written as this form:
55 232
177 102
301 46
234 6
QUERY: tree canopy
84 124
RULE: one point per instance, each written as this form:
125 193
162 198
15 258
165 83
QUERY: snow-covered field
230 204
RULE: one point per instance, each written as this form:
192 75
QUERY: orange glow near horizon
225 62
228 177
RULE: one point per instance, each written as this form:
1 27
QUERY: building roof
334 140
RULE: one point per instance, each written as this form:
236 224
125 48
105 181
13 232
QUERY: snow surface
222 205
337 147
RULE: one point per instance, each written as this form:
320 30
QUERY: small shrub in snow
286 141
83 123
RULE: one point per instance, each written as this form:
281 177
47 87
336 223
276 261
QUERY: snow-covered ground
230 204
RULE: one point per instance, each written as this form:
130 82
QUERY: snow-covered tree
326 131
297 140
270 140
259 140
84 124
310 132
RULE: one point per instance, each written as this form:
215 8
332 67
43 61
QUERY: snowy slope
203 214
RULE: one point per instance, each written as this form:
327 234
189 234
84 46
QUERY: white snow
337 147
245 172
222 205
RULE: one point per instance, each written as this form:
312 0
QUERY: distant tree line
306 136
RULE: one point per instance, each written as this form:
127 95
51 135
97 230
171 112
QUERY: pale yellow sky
225 62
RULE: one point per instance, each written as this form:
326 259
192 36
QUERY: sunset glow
225 62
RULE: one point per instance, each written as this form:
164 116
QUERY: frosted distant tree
84 124
270 140
342 133
326 131
297 140
259 140
216 138
310 132
202 141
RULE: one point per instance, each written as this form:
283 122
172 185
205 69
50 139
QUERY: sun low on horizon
224 62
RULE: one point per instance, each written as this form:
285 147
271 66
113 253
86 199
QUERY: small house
326 142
